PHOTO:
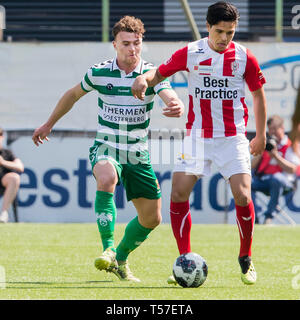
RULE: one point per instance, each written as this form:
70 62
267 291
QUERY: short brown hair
1 132
129 24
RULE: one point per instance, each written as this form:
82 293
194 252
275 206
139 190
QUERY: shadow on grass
72 285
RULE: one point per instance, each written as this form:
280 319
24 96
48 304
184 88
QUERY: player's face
128 46
220 35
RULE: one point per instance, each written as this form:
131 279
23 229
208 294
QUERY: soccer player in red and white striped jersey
218 69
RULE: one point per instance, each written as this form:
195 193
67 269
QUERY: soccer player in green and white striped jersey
119 153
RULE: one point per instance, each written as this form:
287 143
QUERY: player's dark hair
222 11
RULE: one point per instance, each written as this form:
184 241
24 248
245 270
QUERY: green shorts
138 178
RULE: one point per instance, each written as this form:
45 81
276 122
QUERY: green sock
134 235
106 213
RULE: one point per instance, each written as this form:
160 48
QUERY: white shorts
231 155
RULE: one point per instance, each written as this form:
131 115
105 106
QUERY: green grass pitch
55 261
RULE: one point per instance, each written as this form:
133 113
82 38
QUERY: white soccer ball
190 270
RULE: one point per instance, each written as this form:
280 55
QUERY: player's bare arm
258 143
149 79
174 106
63 106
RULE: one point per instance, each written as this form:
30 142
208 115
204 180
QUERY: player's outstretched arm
63 106
149 79
258 143
174 106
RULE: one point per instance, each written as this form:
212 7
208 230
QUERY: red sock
245 217
181 222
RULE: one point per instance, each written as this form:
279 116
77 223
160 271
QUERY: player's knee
242 199
106 176
178 195
158 219
155 221
106 183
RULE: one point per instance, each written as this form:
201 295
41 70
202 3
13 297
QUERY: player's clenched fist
257 145
139 87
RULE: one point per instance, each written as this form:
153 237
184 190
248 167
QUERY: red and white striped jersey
216 86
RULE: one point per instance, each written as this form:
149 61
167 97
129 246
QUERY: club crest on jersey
109 86
234 67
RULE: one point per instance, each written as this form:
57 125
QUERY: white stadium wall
57 185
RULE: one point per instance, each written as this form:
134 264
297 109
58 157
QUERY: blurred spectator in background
274 170
294 150
10 167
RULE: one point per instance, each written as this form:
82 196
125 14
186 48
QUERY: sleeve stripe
87 80
163 89
82 87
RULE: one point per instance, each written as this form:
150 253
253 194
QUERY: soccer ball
190 270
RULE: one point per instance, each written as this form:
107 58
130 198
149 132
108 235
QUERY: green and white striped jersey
123 120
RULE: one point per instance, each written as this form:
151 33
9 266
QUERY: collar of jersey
138 69
230 47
